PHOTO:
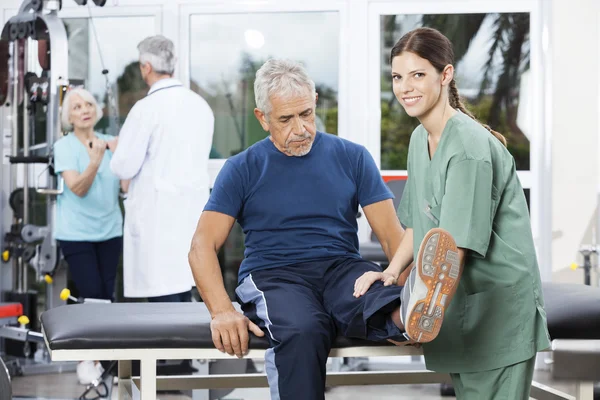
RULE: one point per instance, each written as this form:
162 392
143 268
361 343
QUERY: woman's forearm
81 183
403 256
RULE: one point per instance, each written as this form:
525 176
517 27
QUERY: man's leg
422 301
288 308
508 383
370 315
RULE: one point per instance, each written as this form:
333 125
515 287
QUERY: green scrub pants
508 383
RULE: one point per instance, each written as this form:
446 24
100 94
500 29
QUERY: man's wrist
222 309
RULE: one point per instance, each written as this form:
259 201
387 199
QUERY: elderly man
164 149
296 196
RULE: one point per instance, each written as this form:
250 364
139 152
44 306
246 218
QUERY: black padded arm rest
140 325
573 310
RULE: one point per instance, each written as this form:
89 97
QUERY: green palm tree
510 40
461 29
498 98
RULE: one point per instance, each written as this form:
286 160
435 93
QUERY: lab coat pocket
178 213
132 226
491 319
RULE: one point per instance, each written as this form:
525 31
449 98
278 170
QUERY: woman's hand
96 150
363 283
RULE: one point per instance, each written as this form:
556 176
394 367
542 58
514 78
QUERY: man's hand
230 332
363 283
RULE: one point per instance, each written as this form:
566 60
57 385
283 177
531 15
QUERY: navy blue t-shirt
297 209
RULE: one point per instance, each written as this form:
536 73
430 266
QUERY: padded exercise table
576 359
575 317
152 331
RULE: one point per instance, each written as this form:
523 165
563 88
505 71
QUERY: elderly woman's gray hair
66 106
159 52
283 78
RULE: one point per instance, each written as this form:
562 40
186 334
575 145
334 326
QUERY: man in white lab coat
163 148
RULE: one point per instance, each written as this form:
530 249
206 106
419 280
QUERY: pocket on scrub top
491 318
432 210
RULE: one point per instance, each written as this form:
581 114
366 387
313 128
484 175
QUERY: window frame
187 10
538 179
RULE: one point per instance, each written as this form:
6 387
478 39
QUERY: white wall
575 169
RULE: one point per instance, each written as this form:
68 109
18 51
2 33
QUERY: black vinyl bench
173 331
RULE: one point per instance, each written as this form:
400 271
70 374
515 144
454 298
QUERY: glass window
492 70
227 49
118 54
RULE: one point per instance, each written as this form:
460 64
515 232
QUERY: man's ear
447 74
148 67
262 119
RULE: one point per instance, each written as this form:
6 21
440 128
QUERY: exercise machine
33 81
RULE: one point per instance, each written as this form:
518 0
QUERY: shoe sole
439 271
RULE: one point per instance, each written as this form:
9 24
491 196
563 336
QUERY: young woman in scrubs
466 216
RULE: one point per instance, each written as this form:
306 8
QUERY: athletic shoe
430 286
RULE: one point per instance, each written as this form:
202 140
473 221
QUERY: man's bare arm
211 233
384 222
395 242
229 328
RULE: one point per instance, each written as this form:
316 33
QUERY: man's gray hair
283 78
159 52
66 107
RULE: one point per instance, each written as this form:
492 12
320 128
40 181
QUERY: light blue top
96 216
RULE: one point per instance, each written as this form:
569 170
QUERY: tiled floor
65 386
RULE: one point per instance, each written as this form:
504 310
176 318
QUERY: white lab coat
163 148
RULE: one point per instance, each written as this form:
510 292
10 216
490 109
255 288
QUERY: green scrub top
470 188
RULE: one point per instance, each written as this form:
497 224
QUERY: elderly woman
89 223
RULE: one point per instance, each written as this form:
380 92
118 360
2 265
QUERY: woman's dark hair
432 45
